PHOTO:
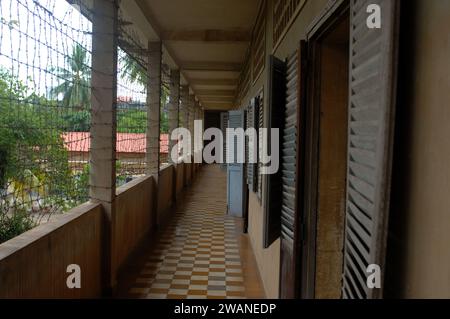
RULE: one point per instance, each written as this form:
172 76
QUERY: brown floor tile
199 231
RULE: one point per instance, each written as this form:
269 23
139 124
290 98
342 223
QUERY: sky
37 35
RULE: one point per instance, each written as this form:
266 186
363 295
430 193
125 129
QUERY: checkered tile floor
197 255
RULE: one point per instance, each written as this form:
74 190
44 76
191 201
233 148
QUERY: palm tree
76 86
135 73
132 70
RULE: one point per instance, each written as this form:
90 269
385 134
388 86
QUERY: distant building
127 103
131 149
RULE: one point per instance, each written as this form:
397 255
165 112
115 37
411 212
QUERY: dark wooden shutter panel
224 126
292 164
274 184
260 112
371 124
251 167
248 125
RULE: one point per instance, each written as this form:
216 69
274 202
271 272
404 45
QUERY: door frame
332 14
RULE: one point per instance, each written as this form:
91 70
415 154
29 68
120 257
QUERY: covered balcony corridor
109 109
201 253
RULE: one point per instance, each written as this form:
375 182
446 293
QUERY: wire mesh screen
132 104
164 126
45 71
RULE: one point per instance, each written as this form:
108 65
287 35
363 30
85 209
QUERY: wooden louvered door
275 119
371 125
235 169
292 164
252 146
260 122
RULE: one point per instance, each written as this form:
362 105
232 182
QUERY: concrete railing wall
179 179
166 190
134 205
188 173
34 264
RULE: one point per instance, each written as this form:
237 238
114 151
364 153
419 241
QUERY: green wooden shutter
371 125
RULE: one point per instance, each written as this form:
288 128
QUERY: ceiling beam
207 35
216 99
211 66
213 82
218 106
216 93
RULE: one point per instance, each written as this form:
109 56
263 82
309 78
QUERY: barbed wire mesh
132 110
45 109
132 105
45 72
164 114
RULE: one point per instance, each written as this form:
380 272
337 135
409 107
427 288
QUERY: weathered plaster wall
419 258
268 260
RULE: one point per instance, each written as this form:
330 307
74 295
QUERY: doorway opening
326 166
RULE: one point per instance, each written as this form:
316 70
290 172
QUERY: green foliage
131 121
30 139
164 122
81 189
75 88
121 178
33 157
131 70
77 121
14 225
135 121
76 94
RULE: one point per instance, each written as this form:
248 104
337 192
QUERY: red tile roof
126 142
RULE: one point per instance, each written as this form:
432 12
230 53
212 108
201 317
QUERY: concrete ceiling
206 39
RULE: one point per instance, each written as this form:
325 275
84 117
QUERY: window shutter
274 184
223 127
246 116
371 125
292 163
252 167
260 112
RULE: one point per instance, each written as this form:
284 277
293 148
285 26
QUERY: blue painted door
235 171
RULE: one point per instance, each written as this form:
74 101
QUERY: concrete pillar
154 109
102 179
174 108
198 136
184 106
184 109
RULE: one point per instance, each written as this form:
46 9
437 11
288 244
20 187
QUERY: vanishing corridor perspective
354 96
201 253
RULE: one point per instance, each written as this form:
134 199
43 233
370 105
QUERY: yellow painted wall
419 264
268 260
419 254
